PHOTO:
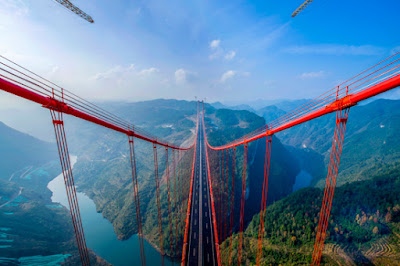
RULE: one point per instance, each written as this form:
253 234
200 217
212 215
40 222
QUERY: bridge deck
201 249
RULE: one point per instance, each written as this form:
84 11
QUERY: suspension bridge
209 218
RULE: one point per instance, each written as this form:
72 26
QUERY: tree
375 230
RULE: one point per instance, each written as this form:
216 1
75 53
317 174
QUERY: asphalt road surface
201 232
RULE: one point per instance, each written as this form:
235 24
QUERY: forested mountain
225 125
31 226
103 169
364 226
19 150
370 142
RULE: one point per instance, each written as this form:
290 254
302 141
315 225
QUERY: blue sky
221 50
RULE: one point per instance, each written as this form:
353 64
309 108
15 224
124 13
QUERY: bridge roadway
201 250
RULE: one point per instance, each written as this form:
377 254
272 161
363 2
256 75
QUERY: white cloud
230 55
214 55
308 75
113 72
148 71
15 7
227 75
120 73
395 50
214 44
180 76
335 49
183 76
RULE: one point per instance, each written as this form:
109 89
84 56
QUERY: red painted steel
242 204
232 202
58 123
54 104
264 198
332 106
176 203
181 192
341 120
136 198
157 180
221 195
225 212
218 188
169 202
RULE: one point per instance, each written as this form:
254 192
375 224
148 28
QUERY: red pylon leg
242 204
341 120
58 123
136 198
232 203
157 180
169 203
264 198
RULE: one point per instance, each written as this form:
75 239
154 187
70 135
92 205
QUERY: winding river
99 232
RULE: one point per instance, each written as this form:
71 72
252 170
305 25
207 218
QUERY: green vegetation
30 230
371 141
365 216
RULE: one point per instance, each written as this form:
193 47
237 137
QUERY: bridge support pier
341 120
58 123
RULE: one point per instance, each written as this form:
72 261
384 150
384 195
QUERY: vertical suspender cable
226 192
58 123
136 197
264 197
232 202
341 120
157 180
187 221
242 204
180 189
221 194
176 203
169 203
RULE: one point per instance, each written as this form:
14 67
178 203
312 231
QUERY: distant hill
270 113
28 226
370 142
19 150
103 169
219 105
225 125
